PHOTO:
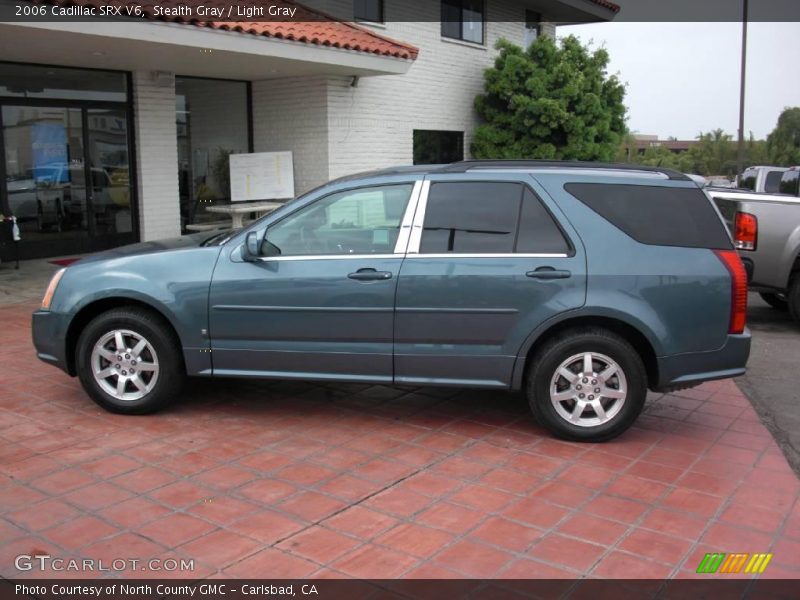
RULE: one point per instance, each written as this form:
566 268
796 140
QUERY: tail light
735 267
745 234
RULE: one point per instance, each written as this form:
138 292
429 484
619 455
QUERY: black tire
554 352
775 300
793 298
163 349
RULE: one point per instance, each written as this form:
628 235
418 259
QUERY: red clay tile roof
308 26
606 4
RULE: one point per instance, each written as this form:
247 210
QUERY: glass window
656 215
212 123
107 131
463 20
747 180
368 10
361 221
789 181
471 218
773 182
533 27
538 232
438 147
34 81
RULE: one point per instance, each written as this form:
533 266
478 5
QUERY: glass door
110 176
67 178
45 182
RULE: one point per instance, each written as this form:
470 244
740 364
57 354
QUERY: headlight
51 289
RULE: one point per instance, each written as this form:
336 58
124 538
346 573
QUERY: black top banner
388 11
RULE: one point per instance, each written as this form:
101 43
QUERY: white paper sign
262 176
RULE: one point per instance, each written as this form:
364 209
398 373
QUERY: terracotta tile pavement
293 479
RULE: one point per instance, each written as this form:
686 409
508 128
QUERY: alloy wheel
588 389
124 364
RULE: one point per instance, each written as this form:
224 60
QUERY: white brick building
132 149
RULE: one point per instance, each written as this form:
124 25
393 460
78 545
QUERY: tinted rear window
471 217
661 216
789 183
538 232
747 180
488 218
773 182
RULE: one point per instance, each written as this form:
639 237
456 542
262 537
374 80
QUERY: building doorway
66 168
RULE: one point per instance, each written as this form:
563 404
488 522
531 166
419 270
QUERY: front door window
361 221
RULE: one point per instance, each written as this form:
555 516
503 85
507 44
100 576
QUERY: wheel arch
98 306
642 342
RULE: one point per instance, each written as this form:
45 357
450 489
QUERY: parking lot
303 480
771 382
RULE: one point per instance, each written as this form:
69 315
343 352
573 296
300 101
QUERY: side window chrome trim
408 218
419 219
326 257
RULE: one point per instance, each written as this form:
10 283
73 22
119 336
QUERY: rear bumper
687 370
49 333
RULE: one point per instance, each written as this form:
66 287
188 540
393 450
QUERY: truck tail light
745 234
735 267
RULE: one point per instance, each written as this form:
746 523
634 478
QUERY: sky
683 78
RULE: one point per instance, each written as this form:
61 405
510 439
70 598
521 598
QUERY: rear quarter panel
679 298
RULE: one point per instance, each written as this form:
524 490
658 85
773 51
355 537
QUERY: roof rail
467 165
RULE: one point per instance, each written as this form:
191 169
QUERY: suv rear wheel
587 385
128 361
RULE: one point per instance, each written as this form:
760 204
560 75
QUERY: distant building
643 142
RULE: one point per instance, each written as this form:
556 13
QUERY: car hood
195 240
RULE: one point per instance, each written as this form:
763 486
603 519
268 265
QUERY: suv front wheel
587 385
128 362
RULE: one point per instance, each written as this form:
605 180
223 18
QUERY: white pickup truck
766 232
761 179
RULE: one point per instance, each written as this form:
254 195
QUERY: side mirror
250 250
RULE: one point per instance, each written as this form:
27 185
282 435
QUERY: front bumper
49 335
687 370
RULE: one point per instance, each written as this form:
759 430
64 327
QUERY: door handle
548 273
370 275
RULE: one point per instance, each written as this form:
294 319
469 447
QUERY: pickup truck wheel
587 385
129 362
775 300
793 298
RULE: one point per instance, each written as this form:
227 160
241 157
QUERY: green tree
715 154
756 152
552 101
783 144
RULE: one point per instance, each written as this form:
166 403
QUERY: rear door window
661 216
538 231
471 218
488 218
